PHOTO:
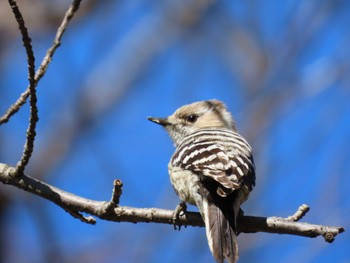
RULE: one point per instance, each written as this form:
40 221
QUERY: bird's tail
220 232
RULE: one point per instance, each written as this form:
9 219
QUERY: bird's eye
192 118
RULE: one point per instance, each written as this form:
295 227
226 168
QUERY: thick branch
110 211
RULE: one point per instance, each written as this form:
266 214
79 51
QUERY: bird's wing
213 160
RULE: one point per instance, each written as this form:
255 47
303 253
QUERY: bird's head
193 117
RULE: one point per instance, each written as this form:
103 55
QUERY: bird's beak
160 121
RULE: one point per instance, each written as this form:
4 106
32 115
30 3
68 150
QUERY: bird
211 168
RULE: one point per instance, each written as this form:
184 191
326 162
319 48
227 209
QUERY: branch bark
110 210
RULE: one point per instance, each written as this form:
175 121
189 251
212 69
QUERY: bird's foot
179 211
238 219
240 213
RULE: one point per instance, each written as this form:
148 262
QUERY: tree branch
31 131
110 210
45 62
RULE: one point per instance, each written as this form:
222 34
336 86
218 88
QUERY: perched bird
212 168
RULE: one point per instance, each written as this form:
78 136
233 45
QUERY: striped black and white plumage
211 168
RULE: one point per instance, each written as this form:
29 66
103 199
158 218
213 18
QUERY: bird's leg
179 210
238 218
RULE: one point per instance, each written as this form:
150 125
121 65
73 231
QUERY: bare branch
45 62
31 131
116 193
278 225
82 218
299 214
76 205
57 41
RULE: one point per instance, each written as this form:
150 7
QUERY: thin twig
31 131
45 62
76 205
85 219
57 41
116 193
299 214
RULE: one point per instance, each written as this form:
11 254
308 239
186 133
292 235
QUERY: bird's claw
179 211
238 218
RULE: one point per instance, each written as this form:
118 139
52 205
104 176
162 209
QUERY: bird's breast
185 183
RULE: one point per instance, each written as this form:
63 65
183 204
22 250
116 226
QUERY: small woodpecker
212 168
